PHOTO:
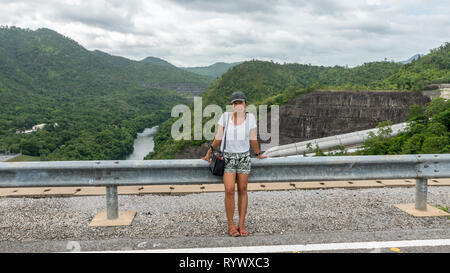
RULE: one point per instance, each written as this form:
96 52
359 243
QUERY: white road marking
302 248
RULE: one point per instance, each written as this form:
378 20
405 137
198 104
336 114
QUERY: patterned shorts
237 162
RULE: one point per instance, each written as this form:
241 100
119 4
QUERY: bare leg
242 200
229 183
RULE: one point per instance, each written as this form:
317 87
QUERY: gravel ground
203 214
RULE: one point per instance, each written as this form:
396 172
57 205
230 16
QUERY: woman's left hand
261 156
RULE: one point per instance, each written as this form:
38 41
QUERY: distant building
35 128
39 126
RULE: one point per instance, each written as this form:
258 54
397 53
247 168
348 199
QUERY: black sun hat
238 95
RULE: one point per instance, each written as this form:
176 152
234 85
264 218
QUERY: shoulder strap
225 133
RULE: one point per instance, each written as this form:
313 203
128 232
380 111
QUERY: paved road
427 240
313 218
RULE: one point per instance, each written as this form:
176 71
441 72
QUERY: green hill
270 83
213 71
99 101
431 68
158 61
261 80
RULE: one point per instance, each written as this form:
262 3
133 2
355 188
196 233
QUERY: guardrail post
112 202
112 216
421 193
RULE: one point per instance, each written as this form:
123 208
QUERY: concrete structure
445 90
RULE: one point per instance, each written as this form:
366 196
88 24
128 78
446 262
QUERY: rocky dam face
326 113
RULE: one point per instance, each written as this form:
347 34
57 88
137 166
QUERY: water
143 144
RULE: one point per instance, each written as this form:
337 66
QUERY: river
143 144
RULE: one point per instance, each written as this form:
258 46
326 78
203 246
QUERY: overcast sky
202 32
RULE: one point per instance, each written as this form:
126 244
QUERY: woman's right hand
207 157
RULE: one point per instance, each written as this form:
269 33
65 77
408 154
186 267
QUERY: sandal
233 232
243 231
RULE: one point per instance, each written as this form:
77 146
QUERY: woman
241 130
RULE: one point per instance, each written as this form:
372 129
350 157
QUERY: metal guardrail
112 173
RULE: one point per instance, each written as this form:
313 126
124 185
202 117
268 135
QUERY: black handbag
217 165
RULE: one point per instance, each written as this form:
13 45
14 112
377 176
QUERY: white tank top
237 136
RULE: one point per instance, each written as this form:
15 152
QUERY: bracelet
257 154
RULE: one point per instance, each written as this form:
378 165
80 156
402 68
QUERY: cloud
115 19
202 32
232 7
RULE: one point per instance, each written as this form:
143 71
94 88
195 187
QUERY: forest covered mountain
99 101
214 70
